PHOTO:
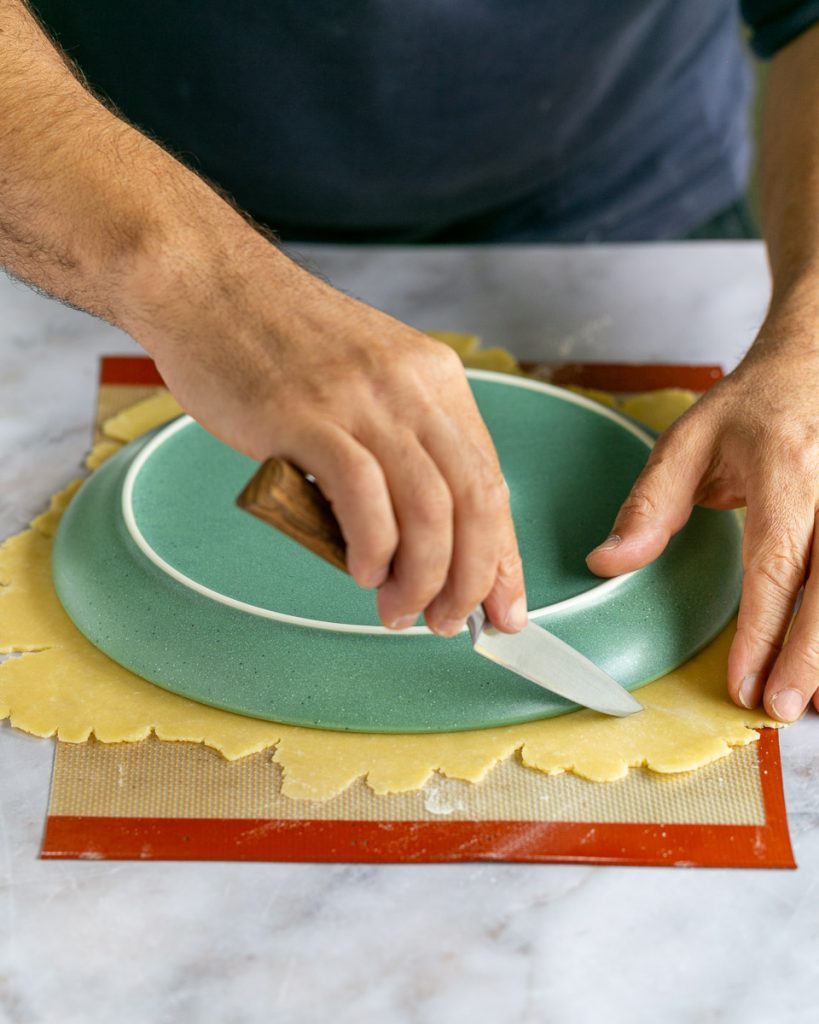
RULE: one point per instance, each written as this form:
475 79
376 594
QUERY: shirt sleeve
774 23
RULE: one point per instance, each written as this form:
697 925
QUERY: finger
776 547
795 676
506 603
353 482
658 505
484 534
423 509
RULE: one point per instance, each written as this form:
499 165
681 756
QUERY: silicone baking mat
184 801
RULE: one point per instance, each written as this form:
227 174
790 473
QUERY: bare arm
790 178
79 204
754 439
265 356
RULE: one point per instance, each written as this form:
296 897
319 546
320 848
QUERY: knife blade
281 495
545 659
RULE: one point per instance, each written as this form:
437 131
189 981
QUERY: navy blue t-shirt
437 120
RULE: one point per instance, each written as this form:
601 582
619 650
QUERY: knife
281 495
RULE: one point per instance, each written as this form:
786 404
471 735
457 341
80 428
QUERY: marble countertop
86 942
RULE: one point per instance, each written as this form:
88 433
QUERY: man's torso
436 120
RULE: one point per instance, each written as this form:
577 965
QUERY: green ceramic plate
159 569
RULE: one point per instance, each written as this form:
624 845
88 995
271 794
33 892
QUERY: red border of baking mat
702 845
768 845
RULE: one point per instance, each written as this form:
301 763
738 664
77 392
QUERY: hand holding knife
281 495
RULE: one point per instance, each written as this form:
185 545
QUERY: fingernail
749 690
450 627
787 705
404 622
609 544
518 615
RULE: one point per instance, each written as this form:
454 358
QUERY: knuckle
343 491
381 546
496 496
431 363
446 359
362 476
422 588
761 631
640 503
468 595
485 495
510 566
421 578
670 445
780 570
801 458
373 550
433 507
796 451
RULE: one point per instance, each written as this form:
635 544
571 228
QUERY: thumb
658 506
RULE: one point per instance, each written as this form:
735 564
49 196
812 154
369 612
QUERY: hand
277 363
753 440
266 357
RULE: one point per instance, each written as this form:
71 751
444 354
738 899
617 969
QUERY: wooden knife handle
280 494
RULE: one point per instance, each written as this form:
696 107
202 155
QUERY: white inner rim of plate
577 603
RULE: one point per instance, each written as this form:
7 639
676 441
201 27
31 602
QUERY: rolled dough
61 685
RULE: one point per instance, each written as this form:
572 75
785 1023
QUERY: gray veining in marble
88 942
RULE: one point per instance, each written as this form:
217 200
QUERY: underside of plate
159 569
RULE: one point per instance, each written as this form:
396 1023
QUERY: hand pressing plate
161 571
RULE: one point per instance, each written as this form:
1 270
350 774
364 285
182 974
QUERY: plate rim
579 601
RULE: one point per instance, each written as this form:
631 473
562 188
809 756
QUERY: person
461 121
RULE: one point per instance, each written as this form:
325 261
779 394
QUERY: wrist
792 319
197 271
